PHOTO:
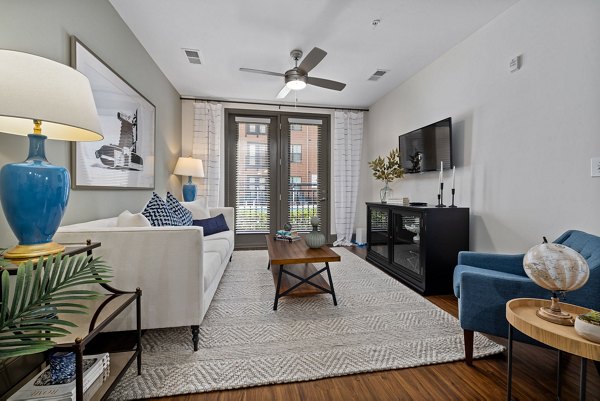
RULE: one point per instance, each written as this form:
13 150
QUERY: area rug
378 324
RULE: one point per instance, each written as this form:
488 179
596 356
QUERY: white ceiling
260 34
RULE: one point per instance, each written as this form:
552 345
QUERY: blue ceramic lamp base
189 191
34 196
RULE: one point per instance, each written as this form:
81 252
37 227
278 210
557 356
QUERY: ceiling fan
297 78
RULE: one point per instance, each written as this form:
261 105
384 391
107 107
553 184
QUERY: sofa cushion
198 208
212 225
211 262
158 213
225 239
128 219
183 215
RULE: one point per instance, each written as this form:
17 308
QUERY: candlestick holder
453 205
441 196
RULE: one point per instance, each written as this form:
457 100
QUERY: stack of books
96 369
290 236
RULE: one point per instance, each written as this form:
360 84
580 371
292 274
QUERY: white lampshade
189 166
35 88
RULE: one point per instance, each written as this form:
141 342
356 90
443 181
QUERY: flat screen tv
423 149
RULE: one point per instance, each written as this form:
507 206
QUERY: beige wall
43 28
523 140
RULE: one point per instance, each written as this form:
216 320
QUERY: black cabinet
417 245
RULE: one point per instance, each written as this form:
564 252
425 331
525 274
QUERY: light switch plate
595 166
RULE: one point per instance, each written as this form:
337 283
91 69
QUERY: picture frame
124 159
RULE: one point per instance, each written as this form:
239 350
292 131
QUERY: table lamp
192 168
55 101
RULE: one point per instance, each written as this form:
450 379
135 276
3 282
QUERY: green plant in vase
29 314
387 169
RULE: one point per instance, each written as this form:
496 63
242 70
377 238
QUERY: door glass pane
253 186
379 242
305 175
407 230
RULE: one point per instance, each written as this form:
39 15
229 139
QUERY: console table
418 245
101 311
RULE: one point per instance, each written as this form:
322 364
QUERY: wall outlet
595 166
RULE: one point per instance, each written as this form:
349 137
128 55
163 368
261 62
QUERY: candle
453 176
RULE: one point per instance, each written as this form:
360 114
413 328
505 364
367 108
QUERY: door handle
322 199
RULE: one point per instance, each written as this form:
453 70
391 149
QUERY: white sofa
177 268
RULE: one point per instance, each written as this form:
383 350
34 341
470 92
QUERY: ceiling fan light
296 84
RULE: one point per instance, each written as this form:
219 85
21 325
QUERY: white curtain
347 146
206 145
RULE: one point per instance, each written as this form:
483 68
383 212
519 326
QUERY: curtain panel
348 136
206 145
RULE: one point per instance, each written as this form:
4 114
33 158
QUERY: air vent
193 56
377 74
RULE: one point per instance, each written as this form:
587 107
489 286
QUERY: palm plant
29 315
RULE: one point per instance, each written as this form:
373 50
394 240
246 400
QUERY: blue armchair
484 282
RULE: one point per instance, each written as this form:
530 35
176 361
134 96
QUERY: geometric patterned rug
378 324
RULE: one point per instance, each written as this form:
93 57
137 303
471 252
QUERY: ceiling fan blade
277 74
312 59
326 83
283 92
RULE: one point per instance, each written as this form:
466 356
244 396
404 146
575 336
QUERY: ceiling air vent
377 74
193 56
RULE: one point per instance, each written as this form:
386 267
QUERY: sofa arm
165 262
228 212
512 264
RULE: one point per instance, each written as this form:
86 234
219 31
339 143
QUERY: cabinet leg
195 336
582 379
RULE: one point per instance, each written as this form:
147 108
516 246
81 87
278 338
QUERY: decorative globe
287 226
556 267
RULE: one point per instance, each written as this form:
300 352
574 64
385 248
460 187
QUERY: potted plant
29 312
387 169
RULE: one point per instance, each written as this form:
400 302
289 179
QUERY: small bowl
590 330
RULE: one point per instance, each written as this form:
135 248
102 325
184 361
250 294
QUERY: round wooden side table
521 315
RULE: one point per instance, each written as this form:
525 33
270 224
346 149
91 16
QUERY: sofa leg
468 334
195 336
231 257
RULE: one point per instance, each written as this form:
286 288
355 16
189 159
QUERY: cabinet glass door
379 242
407 241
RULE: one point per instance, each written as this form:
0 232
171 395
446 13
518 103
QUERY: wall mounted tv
423 149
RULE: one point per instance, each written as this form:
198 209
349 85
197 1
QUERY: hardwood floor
534 378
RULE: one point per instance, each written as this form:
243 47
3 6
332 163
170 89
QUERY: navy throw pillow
212 225
183 215
158 213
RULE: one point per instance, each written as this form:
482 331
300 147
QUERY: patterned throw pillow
158 213
183 215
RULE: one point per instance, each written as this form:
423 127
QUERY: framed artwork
124 159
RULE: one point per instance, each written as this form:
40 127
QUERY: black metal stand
582 372
510 361
441 196
453 205
303 280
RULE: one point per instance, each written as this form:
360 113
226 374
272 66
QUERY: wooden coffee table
292 266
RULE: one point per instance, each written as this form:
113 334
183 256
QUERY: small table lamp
192 168
57 100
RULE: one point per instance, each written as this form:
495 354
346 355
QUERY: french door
277 171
